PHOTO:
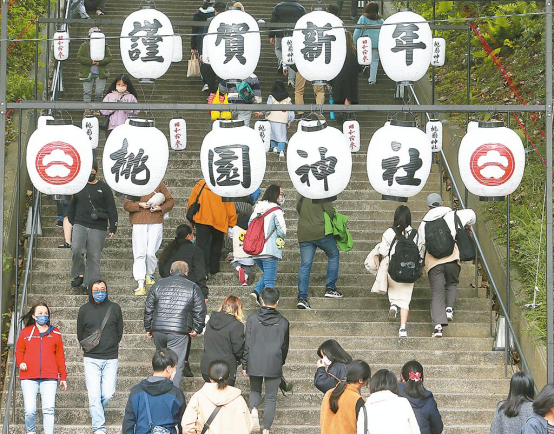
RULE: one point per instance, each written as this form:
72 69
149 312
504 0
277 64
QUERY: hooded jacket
213 211
223 340
387 413
167 405
90 319
174 305
233 417
536 424
267 343
425 410
198 32
288 11
275 228
118 117
325 380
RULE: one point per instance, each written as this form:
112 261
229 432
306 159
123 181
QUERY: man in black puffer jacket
175 312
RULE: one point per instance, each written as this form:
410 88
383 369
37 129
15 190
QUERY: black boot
186 370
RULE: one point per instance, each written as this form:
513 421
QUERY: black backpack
464 240
438 238
405 264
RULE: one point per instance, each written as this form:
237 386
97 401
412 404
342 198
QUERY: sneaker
77 282
281 155
402 333
243 277
332 293
59 224
449 314
99 12
150 280
437 333
64 246
370 82
205 88
255 422
255 297
186 370
393 311
275 149
303 304
140 291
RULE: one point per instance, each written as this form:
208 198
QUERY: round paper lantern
146 44
59 159
97 46
491 159
363 45
205 52
439 52
472 125
89 125
351 130
177 49
61 45
178 134
135 158
215 124
405 46
433 129
288 52
263 128
234 44
319 161
41 122
233 160
399 160
309 123
319 46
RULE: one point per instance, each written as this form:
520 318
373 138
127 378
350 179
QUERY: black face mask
92 177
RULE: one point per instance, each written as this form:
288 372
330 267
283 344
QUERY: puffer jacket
288 11
174 305
274 224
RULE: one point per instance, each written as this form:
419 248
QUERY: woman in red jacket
40 357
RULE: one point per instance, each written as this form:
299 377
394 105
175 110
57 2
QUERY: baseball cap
434 200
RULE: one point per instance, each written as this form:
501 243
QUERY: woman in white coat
386 412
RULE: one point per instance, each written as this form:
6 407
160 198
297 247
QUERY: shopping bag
193 66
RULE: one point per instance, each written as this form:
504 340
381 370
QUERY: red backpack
254 238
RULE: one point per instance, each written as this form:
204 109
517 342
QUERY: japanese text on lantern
314 41
436 50
60 46
177 134
405 36
150 40
390 167
352 136
290 52
222 160
321 169
434 137
365 50
88 127
130 165
261 131
232 34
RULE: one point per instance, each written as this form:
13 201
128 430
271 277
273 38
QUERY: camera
96 215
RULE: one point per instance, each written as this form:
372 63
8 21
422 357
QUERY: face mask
193 241
281 200
99 296
173 375
91 177
326 361
42 320
121 89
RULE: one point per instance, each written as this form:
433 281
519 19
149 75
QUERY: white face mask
173 375
326 361
281 201
121 89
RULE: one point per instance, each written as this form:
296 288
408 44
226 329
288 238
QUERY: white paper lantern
146 44
89 125
405 46
61 45
205 52
233 160
433 129
177 49
215 124
287 50
472 125
135 158
97 46
351 131
309 123
234 45
319 161
263 128
178 134
439 52
399 160
59 158
41 122
364 50
319 45
491 159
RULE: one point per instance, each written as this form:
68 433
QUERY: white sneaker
402 333
449 314
275 149
437 333
282 155
205 88
393 311
255 422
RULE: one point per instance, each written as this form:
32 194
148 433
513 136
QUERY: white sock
141 283
402 326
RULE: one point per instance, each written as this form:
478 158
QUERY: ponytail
356 370
335 395
182 232
219 372
412 373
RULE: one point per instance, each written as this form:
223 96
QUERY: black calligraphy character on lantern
130 165
150 41
405 35
88 126
234 41
314 40
228 172
390 167
320 169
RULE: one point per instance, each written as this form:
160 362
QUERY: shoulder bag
211 419
195 207
91 342
153 429
104 123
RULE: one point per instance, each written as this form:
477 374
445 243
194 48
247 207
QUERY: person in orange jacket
212 221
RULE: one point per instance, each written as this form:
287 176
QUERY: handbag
195 207
211 419
91 342
285 386
153 429
193 66
466 247
104 123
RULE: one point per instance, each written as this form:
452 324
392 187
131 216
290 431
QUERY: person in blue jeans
100 362
311 235
372 17
275 230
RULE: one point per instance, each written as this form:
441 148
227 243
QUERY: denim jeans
307 253
374 65
280 145
47 389
100 379
269 268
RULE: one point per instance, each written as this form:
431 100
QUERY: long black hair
182 232
384 379
402 219
522 390
545 400
371 10
334 352
279 90
412 373
125 79
356 370
28 319
272 193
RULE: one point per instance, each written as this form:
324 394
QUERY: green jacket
337 227
311 218
83 57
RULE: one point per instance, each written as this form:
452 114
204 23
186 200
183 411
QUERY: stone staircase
461 370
